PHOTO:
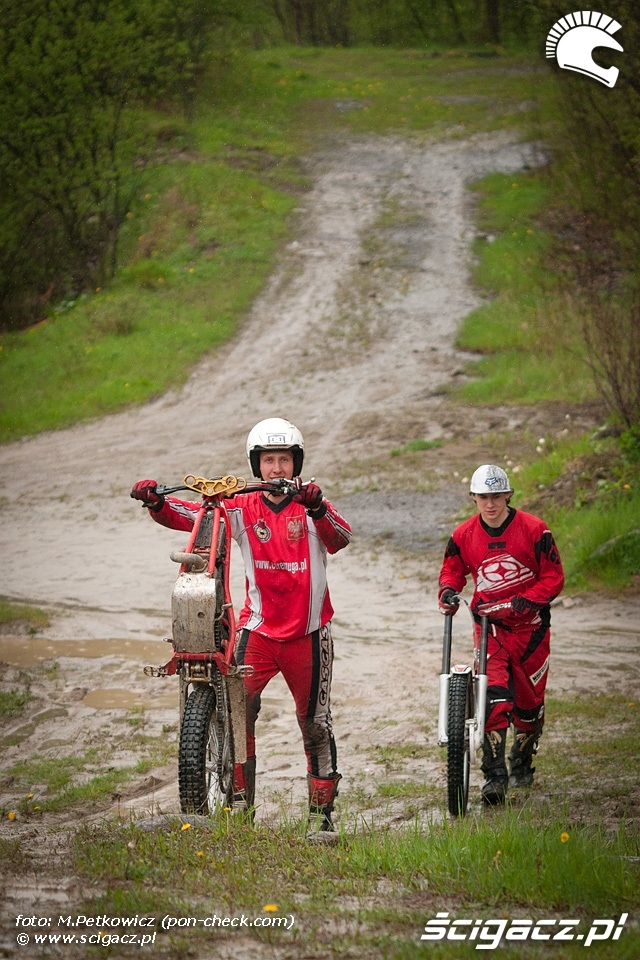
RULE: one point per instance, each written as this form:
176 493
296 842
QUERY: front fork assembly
479 680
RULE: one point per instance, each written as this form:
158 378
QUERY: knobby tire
458 750
206 756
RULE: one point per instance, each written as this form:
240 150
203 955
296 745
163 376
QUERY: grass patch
68 783
13 702
13 857
519 863
416 446
405 790
169 304
583 738
601 542
531 350
451 859
36 618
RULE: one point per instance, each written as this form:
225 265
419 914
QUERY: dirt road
352 340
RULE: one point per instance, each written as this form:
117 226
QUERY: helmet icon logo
572 40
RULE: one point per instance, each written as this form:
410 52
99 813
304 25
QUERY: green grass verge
203 256
513 865
13 702
211 207
78 783
531 345
416 446
601 543
21 612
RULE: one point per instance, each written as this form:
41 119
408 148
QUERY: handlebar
489 610
229 486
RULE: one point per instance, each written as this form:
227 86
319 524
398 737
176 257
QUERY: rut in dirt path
351 339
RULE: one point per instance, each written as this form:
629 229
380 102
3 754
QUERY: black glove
310 496
525 608
448 600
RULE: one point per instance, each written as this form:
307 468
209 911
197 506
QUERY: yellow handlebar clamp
216 487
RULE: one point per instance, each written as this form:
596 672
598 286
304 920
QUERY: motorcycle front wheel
206 755
458 748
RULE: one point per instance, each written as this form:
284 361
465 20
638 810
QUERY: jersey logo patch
262 531
295 528
501 571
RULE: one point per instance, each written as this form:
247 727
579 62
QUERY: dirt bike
212 730
461 713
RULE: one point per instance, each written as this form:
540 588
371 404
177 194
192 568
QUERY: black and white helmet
275 434
490 479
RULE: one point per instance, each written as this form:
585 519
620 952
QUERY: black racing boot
494 767
322 793
244 786
524 749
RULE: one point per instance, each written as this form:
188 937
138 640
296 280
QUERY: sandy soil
353 340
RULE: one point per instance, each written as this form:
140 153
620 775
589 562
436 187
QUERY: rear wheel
206 756
458 749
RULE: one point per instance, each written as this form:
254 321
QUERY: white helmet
275 434
490 479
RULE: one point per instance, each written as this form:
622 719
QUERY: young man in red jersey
516 570
285 624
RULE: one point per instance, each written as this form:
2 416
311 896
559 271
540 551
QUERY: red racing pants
306 665
517 670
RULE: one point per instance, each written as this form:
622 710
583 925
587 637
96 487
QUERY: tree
492 13
71 71
596 172
314 22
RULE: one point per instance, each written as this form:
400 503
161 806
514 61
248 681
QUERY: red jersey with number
285 557
519 558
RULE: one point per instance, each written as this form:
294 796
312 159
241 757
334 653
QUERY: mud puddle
32 651
63 658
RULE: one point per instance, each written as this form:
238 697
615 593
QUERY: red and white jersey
519 558
285 557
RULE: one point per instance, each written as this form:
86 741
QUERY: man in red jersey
516 569
285 624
